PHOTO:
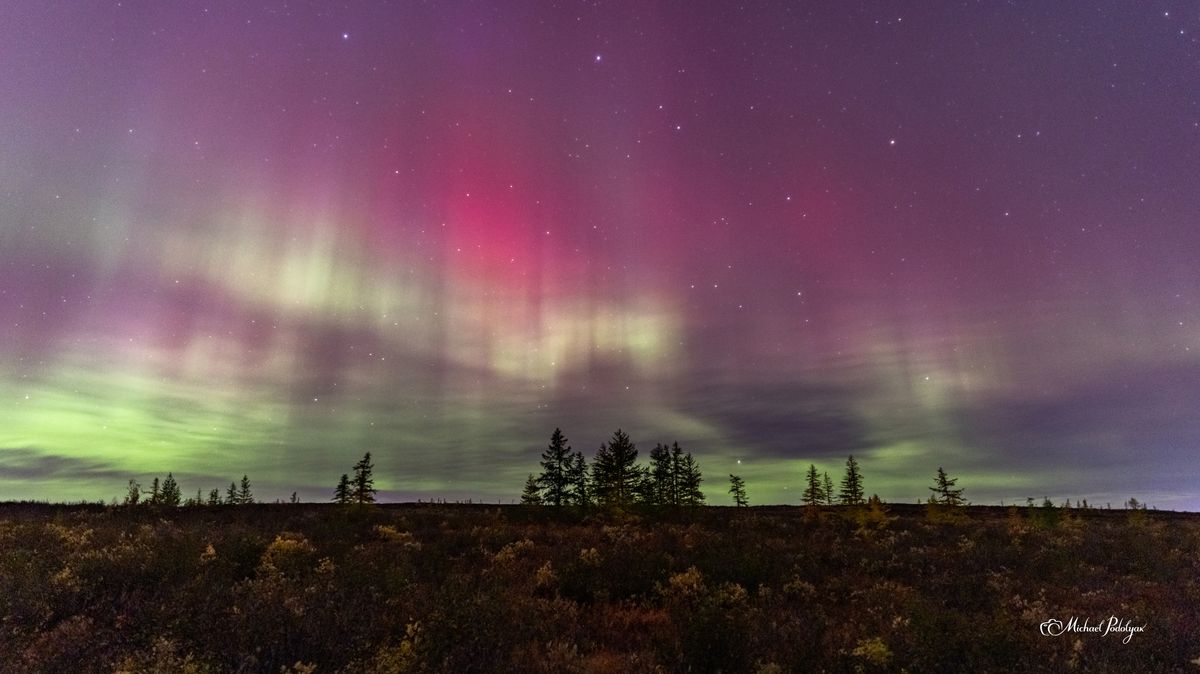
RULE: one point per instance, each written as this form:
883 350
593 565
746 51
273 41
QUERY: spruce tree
341 494
662 475
244 495
689 482
155 495
814 492
599 487
852 485
214 497
645 491
737 487
944 491
675 485
231 494
532 494
577 477
169 494
134 493
827 488
614 471
555 480
362 486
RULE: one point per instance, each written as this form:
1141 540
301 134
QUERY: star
345 36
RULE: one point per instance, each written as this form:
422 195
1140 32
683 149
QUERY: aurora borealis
264 238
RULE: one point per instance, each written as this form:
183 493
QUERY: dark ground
486 588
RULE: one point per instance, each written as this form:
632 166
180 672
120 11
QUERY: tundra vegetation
469 588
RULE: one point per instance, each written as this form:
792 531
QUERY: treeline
168 494
614 478
672 478
357 490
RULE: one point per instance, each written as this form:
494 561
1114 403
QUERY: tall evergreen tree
362 486
944 490
134 493
555 480
614 471
827 488
214 497
169 495
852 484
244 495
814 491
577 477
532 494
155 495
341 494
737 487
645 490
231 494
675 485
689 482
662 475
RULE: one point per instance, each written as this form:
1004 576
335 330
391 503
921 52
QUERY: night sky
267 237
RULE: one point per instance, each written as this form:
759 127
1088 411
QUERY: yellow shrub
874 651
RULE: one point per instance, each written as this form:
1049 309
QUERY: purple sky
264 238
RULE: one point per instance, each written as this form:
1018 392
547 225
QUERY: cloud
782 419
1122 417
25 463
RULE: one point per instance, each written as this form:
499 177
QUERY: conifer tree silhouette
362 486
578 479
662 476
852 485
244 495
169 495
814 492
737 487
944 491
555 480
689 482
614 471
341 494
532 494
134 493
